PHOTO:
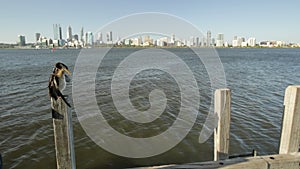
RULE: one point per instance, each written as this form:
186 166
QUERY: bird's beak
68 72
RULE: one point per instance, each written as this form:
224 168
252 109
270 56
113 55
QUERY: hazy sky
263 19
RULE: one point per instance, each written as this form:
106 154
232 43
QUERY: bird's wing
54 91
52 87
62 96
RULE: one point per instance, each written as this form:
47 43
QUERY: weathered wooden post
0 161
290 132
221 134
63 135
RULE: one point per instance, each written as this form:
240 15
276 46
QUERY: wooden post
63 135
290 132
0 161
221 133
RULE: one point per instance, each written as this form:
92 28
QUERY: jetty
288 156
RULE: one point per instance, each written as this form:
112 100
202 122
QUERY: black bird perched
57 82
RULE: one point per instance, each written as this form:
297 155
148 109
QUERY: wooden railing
288 157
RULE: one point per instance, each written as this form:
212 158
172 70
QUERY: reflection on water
257 77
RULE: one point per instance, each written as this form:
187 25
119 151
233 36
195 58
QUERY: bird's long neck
59 73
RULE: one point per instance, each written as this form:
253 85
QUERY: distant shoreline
144 47
32 46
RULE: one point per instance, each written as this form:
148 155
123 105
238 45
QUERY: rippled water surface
257 78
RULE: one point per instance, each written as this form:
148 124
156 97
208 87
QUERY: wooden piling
290 132
63 135
221 134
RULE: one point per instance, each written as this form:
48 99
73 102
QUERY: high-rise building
109 38
86 39
208 38
90 38
69 34
60 32
21 40
203 42
81 35
251 42
172 41
99 38
235 42
55 31
37 37
220 40
197 41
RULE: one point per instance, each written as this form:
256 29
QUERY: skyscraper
69 34
99 38
220 40
109 38
197 41
90 38
81 35
21 40
37 37
86 39
60 32
55 31
208 38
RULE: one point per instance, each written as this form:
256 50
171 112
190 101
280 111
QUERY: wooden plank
62 125
288 161
290 133
276 161
222 107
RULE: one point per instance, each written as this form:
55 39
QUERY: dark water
257 77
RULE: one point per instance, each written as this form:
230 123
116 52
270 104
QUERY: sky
262 19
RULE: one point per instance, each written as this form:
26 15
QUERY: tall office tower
69 33
208 38
203 42
86 39
37 37
81 35
99 39
60 32
90 38
220 40
173 38
109 38
21 40
197 41
55 31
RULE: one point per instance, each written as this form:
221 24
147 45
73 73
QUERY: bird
57 82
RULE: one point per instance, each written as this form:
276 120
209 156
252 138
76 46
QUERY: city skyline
266 20
88 39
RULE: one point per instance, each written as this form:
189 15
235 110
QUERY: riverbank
32 46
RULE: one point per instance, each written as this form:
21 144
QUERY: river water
257 78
